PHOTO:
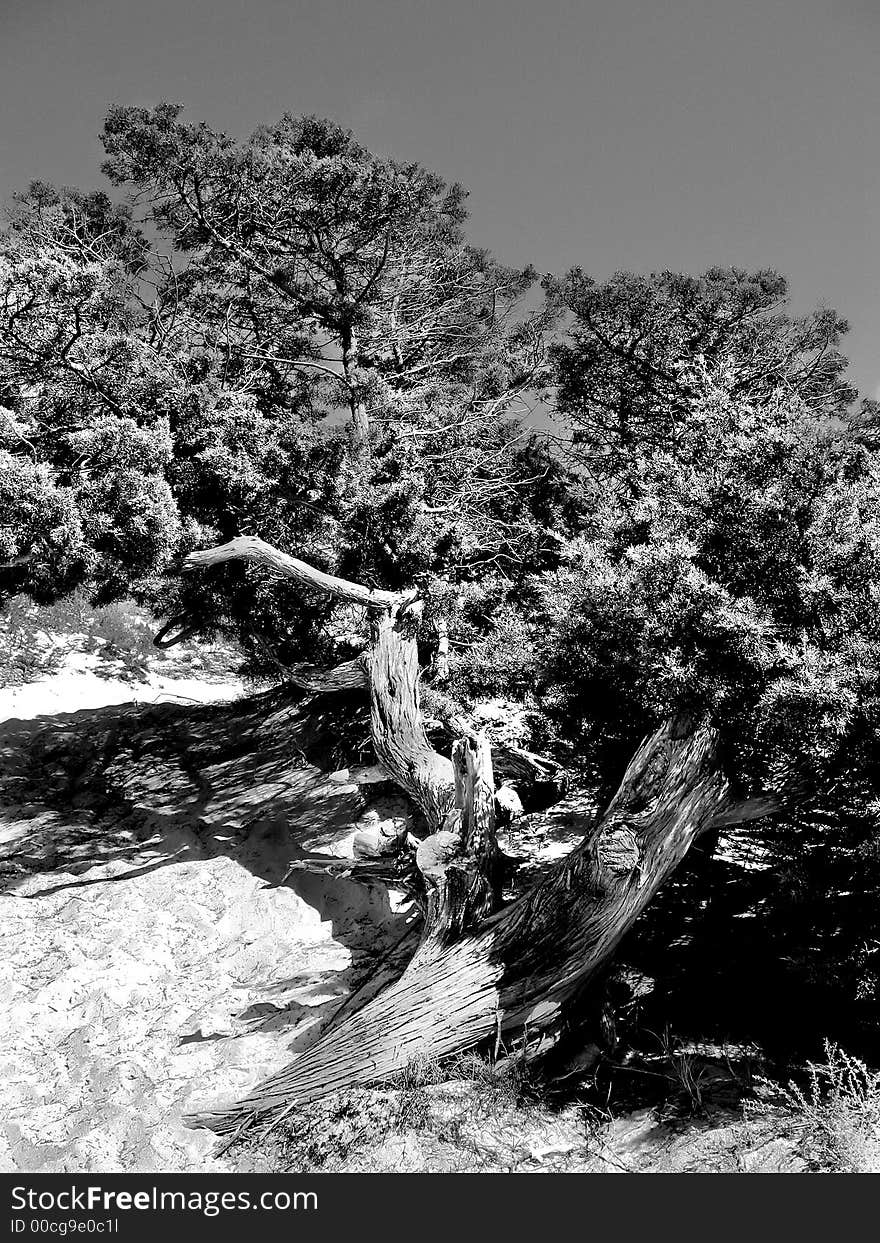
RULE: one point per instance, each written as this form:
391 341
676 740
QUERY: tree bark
462 868
460 873
349 676
512 978
441 656
399 738
459 859
479 972
671 792
251 548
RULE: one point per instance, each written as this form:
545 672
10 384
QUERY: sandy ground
158 958
161 964
635 1143
81 686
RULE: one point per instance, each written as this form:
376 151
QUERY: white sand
130 948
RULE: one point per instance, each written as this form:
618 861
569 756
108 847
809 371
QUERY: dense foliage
85 402
729 559
310 349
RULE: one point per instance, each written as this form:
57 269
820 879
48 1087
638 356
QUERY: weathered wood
441 655
540 780
349 676
391 670
562 932
347 868
760 806
449 1003
462 867
399 738
250 548
514 976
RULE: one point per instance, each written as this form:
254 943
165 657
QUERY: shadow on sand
104 796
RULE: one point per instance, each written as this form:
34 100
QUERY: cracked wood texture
468 887
396 723
462 868
251 548
514 976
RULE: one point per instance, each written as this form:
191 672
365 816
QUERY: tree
306 275
642 349
332 260
718 603
84 404
719 569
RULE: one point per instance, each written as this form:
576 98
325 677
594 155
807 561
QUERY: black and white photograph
439 600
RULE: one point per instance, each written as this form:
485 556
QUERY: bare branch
758 807
251 548
351 675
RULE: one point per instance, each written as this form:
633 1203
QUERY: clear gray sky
639 134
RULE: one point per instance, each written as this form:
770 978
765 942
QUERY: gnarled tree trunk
511 979
396 723
480 972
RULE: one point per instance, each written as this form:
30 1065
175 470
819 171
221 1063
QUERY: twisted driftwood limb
391 670
402 747
250 548
449 1006
513 977
347 868
178 623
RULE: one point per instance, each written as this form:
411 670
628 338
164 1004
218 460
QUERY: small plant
421 1071
837 1114
685 1070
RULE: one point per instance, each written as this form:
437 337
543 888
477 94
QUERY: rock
382 829
508 804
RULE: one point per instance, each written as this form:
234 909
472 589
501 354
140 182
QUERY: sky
614 134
